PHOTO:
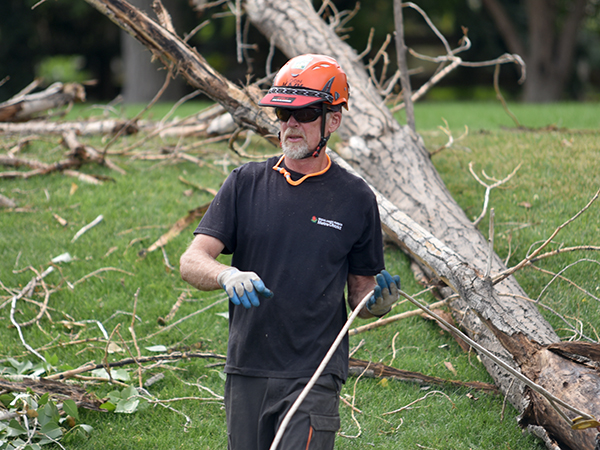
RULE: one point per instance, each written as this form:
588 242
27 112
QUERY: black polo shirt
302 241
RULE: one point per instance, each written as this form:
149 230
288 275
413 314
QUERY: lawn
112 287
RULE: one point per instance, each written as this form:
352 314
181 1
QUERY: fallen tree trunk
24 107
81 128
395 162
567 370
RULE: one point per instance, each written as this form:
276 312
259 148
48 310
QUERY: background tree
553 32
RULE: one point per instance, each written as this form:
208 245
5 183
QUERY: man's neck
308 165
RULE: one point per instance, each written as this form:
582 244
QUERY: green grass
559 174
492 116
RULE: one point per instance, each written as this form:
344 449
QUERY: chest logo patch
327 222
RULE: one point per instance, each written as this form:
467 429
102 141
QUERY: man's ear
334 120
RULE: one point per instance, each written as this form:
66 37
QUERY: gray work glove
243 288
385 294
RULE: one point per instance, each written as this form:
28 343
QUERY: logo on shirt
326 222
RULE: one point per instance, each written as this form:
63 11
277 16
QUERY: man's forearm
199 267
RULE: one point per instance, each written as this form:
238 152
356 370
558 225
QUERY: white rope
318 372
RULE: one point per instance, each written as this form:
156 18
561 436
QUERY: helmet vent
327 87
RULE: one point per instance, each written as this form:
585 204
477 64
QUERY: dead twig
96 272
394 318
88 227
183 319
488 188
488 269
451 141
83 152
558 275
27 290
403 66
505 274
212 192
105 364
132 332
174 309
500 97
551 310
580 248
352 408
409 406
202 388
450 61
177 228
174 356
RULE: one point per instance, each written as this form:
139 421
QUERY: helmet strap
323 142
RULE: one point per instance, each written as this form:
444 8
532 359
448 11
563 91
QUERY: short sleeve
220 220
366 257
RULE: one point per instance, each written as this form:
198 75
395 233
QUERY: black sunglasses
303 115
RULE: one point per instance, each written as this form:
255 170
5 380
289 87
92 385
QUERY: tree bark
567 370
395 163
24 107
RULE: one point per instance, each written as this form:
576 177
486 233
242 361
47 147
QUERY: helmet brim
289 101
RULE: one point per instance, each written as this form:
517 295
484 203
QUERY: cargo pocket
323 429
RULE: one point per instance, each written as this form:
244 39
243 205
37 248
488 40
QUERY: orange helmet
306 80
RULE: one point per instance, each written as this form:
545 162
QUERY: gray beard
296 151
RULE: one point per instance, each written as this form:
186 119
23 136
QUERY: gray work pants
255 407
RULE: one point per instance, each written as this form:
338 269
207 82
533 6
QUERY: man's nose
292 122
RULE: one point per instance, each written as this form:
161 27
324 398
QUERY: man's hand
385 294
243 287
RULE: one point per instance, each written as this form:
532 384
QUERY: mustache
293 133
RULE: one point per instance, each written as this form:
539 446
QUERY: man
300 229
